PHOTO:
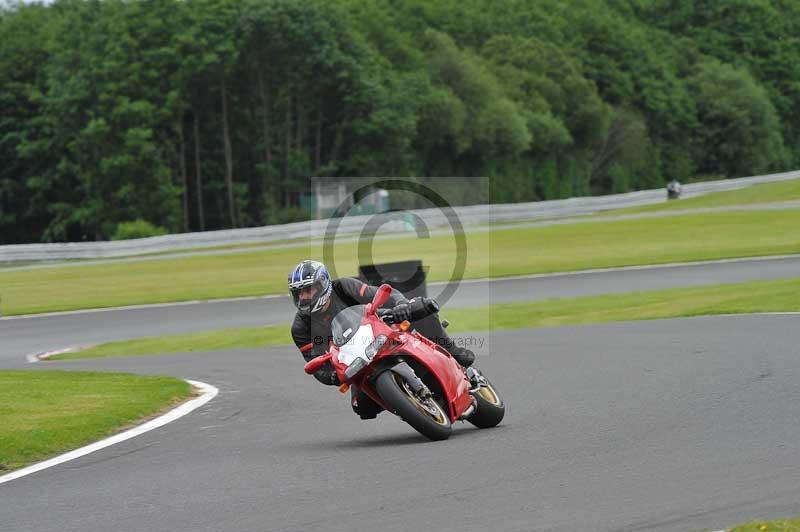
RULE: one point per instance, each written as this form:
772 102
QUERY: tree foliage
214 113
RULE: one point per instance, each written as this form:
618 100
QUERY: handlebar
421 307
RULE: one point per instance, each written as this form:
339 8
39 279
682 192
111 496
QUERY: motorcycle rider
319 299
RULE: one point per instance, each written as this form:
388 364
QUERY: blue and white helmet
310 273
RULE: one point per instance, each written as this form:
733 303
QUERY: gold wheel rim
439 416
489 395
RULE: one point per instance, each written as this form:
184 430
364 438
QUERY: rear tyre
490 410
426 415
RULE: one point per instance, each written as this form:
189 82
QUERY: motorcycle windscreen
346 323
350 335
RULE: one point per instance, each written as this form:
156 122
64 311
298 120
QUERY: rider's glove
401 312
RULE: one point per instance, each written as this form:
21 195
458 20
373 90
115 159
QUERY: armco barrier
469 215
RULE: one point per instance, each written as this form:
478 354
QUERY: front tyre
490 410
426 415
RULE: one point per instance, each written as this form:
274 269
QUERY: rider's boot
363 405
463 356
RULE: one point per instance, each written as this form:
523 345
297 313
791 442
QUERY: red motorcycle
406 373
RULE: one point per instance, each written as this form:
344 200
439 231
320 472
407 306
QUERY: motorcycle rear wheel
490 410
426 416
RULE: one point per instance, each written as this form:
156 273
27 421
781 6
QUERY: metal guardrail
316 229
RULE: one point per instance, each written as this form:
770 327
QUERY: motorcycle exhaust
470 410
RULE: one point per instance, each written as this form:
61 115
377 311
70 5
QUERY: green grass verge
759 296
783 525
224 247
224 339
489 254
739 298
764 193
45 413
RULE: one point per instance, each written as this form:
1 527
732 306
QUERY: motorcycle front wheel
426 415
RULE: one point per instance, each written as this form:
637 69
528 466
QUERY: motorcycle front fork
475 377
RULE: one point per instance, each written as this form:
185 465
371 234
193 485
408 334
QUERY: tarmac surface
682 424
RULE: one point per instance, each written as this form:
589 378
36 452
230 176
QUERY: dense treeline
213 113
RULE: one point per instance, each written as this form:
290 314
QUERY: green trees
136 229
24 49
98 151
739 128
758 37
482 126
214 113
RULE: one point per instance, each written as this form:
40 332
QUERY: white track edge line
38 357
434 283
209 392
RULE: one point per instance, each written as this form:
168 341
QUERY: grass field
760 296
764 193
489 254
782 525
223 339
45 413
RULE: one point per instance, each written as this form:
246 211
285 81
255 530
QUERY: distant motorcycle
406 373
674 190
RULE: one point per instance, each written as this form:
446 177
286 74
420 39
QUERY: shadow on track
398 440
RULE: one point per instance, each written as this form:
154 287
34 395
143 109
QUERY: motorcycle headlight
375 345
353 369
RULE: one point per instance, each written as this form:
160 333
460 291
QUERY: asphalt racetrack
682 424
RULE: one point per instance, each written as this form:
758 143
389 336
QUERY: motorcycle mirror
313 365
381 296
